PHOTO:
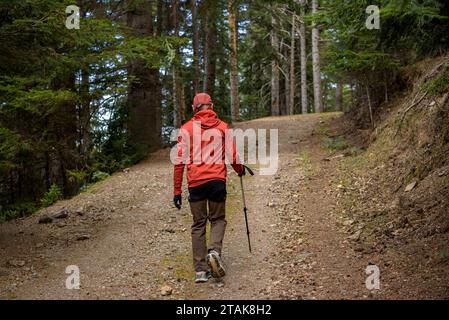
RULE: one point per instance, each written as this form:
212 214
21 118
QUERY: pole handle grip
250 171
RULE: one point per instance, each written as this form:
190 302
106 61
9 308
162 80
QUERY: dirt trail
128 241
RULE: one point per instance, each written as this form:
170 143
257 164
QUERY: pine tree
234 72
275 74
316 62
144 96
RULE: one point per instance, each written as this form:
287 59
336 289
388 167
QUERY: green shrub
17 210
99 176
52 195
79 176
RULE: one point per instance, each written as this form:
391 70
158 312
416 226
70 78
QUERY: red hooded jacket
206 126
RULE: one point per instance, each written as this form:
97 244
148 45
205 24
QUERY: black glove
177 200
243 173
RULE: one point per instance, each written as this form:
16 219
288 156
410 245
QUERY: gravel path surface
130 243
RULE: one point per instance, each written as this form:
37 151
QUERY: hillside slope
395 193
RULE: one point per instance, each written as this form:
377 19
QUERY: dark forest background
79 105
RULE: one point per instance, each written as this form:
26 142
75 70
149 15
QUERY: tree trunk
98 8
84 107
196 47
210 57
62 169
182 102
84 119
144 93
303 49
65 124
316 62
370 108
352 93
11 187
160 19
47 170
339 97
178 112
287 87
235 102
177 119
292 95
275 103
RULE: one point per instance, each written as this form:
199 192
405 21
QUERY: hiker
206 182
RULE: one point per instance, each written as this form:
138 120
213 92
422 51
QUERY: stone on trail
83 237
63 214
166 291
80 211
337 157
355 236
4 273
304 256
45 219
16 263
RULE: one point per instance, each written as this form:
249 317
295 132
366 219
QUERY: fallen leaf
411 186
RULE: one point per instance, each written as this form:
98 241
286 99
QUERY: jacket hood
208 119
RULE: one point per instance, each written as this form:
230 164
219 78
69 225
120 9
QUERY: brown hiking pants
217 217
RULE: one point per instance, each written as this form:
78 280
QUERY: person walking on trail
205 136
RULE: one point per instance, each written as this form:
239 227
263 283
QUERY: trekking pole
245 209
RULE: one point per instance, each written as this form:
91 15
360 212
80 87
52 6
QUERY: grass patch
334 144
306 164
440 84
443 255
305 158
359 160
351 164
330 139
182 266
321 130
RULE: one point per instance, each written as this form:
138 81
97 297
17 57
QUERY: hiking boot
202 277
215 264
